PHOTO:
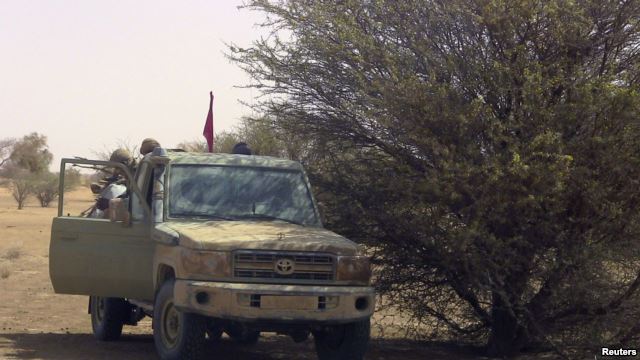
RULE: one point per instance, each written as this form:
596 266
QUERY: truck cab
213 243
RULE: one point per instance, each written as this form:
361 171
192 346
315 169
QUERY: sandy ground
35 323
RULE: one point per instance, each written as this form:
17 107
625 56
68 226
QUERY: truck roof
181 157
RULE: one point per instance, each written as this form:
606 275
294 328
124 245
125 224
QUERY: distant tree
32 153
27 168
6 147
72 178
46 188
488 149
105 152
20 184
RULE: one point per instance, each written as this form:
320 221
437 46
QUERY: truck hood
260 235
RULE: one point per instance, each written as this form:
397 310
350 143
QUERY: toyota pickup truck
207 244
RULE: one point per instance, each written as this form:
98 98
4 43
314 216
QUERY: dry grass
12 253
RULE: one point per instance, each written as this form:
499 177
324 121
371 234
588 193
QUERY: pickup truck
207 244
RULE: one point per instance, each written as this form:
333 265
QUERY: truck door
96 256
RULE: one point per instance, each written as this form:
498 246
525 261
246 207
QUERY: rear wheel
108 315
177 335
343 342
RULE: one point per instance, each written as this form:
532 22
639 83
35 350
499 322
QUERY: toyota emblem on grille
284 266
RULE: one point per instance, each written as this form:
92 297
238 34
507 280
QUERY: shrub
46 188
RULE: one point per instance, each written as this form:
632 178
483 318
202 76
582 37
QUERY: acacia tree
32 153
27 168
45 188
20 184
488 148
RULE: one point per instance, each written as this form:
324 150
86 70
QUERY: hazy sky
90 73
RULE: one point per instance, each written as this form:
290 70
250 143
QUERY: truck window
240 192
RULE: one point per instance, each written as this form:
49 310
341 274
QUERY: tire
108 315
176 334
343 342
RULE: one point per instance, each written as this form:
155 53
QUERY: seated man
114 186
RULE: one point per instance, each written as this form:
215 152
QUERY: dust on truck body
213 243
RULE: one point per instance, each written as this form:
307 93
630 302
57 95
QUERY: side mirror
118 211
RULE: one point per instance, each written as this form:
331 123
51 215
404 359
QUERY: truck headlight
206 264
355 270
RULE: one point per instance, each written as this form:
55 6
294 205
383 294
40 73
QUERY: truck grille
262 265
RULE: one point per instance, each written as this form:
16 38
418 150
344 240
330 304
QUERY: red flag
208 125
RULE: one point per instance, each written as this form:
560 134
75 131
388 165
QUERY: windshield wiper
270 217
206 217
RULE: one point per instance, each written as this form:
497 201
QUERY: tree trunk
507 336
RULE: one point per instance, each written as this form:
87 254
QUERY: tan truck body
237 270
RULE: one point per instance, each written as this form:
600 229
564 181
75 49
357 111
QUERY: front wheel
108 315
177 335
343 342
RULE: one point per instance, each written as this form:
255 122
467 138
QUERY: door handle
69 237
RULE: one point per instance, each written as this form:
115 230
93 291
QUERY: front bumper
270 302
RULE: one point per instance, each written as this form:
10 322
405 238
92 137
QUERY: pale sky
89 73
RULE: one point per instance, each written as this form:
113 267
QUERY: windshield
238 193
